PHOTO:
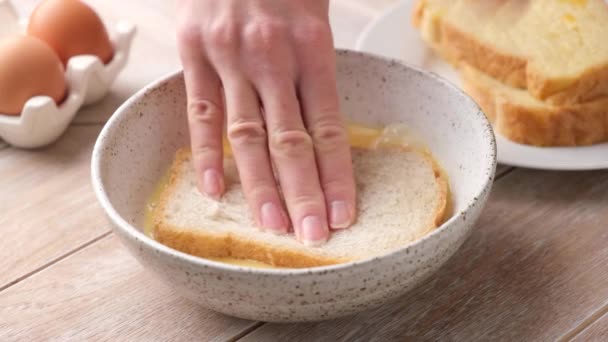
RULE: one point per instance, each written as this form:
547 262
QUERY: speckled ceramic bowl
138 143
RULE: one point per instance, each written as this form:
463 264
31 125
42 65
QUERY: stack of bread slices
538 68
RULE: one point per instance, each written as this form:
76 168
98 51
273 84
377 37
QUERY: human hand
267 69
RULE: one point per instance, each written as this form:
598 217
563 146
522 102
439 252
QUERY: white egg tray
88 80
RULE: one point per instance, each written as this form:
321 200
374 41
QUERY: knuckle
258 189
341 185
313 32
244 133
203 112
307 202
220 34
329 135
263 34
205 151
291 143
265 41
188 35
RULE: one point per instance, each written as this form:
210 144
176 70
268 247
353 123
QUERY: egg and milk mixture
396 135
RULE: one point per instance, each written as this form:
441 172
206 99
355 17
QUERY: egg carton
88 80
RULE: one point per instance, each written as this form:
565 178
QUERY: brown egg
71 28
28 68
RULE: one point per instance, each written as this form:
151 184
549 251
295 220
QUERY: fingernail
272 219
313 232
340 215
212 183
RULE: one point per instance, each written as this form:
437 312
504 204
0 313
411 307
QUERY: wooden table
534 268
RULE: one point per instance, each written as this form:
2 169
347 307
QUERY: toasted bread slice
556 49
402 196
524 119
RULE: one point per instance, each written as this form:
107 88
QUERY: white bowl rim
137 234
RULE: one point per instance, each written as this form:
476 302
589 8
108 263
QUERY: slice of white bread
557 49
401 197
522 118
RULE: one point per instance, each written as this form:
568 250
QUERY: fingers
205 117
247 135
320 107
300 130
293 154
247 132
271 66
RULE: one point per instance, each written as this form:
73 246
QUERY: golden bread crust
206 244
463 47
458 46
590 86
541 124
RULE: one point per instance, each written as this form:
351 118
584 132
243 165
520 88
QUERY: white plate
392 35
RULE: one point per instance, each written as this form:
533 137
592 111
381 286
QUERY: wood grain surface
501 170
102 293
47 204
533 269
597 330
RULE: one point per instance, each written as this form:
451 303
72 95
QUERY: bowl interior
137 145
